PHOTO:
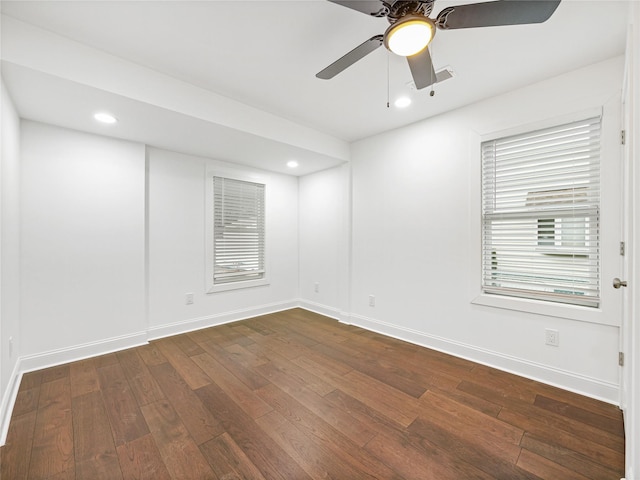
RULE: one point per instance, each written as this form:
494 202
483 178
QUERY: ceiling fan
411 30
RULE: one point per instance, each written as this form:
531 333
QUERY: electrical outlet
188 298
316 287
372 300
552 337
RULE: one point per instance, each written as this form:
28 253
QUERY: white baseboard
8 401
321 309
52 358
199 323
581 384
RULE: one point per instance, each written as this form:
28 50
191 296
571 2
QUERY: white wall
323 228
82 239
9 248
177 248
416 238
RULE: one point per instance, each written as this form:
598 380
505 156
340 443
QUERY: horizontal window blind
238 230
541 214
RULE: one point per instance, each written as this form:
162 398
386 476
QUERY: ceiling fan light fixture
409 35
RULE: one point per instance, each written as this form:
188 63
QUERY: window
540 214
238 232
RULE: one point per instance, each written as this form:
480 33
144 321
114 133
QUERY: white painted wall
324 215
177 245
9 247
82 243
416 238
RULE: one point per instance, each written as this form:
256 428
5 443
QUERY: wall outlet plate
552 337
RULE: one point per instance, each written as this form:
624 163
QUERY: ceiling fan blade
422 69
497 13
350 58
370 7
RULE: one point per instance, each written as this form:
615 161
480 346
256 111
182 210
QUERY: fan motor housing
401 9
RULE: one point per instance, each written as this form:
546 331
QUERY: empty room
305 239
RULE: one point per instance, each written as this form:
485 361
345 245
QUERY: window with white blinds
540 214
238 231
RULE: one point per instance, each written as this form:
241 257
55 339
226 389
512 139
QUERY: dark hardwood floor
294 395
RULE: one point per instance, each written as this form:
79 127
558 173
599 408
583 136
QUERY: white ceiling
261 57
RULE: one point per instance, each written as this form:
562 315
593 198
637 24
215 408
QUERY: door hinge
621 359
623 136
622 248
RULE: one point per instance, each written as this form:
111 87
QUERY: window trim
210 286
498 130
517 168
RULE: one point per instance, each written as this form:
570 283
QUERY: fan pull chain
432 92
388 87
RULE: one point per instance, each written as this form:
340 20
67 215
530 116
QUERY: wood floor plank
596 420
196 418
52 450
414 463
580 401
245 398
244 357
392 403
95 452
260 324
329 363
504 384
471 401
26 401
471 448
502 437
55 373
288 367
228 461
339 419
179 452
232 363
361 412
321 434
187 345
127 422
546 418
151 355
568 458
83 377
142 383
141 460
317 460
272 461
315 326
608 457
31 380
192 373
395 376
545 468
106 360
15 455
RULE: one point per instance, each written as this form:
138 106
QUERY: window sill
539 307
225 287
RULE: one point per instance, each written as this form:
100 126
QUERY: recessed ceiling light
105 117
402 102
292 164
